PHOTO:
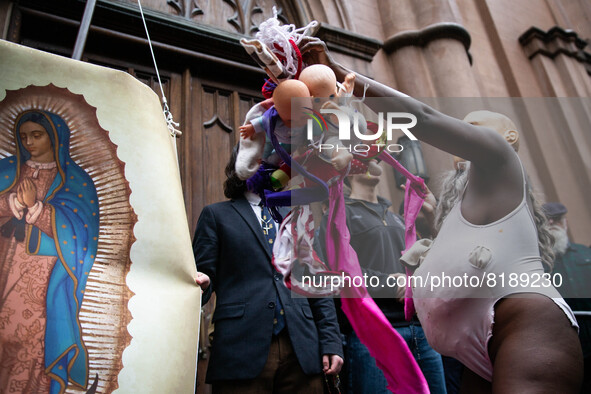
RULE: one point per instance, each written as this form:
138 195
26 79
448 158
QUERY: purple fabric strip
371 326
317 194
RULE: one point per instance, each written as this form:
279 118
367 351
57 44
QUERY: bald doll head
496 121
320 80
282 98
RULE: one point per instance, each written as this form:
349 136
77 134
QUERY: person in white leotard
532 345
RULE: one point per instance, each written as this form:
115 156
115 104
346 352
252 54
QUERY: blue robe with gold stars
75 222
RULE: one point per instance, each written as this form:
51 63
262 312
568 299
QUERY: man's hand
202 280
331 364
427 211
430 203
399 289
314 51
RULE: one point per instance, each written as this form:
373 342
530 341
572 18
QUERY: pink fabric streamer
371 326
413 201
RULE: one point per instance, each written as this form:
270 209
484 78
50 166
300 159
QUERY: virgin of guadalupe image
49 229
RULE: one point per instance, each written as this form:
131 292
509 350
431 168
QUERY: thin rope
170 123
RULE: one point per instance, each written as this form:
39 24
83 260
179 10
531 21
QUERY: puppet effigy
48 242
276 50
316 177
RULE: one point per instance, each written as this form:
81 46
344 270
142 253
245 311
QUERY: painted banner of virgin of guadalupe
96 267
49 227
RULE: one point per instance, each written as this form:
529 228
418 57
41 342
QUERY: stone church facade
445 51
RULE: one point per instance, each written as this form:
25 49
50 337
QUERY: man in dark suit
265 340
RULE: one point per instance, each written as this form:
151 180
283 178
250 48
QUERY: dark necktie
268 225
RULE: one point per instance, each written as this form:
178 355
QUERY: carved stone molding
428 34
555 41
347 42
185 8
242 19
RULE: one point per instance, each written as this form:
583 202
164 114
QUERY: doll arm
254 119
348 86
247 131
251 148
258 125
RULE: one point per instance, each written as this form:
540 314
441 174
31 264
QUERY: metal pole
582 313
83 31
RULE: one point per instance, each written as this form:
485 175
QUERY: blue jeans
362 376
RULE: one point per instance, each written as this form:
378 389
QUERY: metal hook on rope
170 123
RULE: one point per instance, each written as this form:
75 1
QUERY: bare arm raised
495 183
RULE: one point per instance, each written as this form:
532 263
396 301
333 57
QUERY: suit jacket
230 247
